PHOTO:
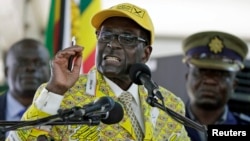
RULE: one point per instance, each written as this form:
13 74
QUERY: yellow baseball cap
215 50
137 14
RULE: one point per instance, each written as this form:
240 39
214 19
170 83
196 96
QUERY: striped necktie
126 99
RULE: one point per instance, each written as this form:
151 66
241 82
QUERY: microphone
104 109
102 104
113 116
141 74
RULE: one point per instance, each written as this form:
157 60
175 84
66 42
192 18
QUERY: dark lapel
3 99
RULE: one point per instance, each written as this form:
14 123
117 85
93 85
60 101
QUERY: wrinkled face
209 89
27 67
120 44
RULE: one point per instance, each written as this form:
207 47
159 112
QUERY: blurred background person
26 66
213 59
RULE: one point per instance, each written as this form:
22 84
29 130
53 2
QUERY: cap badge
216 45
132 9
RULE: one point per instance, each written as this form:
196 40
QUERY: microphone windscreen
135 71
115 115
104 101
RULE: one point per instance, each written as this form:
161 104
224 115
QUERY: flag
58 32
70 18
84 31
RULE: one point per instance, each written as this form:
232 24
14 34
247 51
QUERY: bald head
26 44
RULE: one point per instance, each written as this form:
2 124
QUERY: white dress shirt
135 103
13 108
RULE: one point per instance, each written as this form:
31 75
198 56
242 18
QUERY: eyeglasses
124 39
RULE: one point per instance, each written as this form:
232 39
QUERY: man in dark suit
26 67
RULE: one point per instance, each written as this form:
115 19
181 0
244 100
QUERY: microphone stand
64 117
176 116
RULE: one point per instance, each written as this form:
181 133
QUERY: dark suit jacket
3 99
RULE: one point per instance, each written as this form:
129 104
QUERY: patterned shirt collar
133 89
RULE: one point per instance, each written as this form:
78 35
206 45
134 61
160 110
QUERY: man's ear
6 72
186 76
147 53
235 83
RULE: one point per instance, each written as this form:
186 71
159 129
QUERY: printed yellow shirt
159 126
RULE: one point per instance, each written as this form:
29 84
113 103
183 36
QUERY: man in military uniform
213 59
